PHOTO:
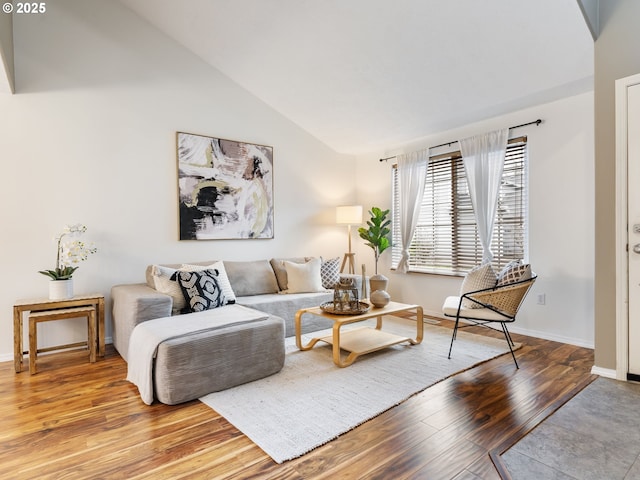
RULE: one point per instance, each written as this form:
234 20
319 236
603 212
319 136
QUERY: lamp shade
349 215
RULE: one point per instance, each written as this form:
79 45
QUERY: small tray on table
329 308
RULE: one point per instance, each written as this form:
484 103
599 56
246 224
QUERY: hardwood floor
75 420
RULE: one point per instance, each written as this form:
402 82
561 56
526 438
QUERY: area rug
311 401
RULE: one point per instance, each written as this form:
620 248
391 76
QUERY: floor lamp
349 215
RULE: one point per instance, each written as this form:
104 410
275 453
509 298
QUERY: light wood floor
75 420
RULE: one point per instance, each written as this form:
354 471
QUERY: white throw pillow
163 283
304 277
478 278
223 278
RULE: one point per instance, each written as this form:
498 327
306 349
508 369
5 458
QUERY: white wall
616 56
6 53
561 214
90 137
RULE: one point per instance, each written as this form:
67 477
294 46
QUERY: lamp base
349 258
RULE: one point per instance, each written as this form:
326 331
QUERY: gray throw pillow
251 277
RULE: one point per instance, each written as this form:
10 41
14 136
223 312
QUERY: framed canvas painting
225 188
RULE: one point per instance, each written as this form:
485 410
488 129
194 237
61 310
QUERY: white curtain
483 157
412 173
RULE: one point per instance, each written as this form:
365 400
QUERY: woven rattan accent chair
495 305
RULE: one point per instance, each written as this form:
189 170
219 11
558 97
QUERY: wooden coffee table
361 340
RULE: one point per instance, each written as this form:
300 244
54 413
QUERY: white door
633 222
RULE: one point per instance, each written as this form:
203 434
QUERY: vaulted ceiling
365 75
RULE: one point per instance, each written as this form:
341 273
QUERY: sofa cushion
251 277
303 277
286 307
200 289
222 278
478 278
281 272
450 309
191 366
330 272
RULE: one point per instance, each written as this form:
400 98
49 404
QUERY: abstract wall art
225 188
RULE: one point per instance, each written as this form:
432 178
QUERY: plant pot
378 282
379 298
60 289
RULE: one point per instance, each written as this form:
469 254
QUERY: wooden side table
61 314
44 304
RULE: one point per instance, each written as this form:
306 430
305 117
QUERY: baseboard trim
604 372
8 357
550 336
513 328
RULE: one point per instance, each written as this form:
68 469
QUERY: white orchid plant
70 252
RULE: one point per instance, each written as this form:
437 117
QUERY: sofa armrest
134 304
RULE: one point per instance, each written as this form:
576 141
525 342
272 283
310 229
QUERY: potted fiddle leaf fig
376 236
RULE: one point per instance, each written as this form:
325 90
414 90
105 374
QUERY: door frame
621 217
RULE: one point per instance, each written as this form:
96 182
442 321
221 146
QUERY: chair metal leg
507 336
505 331
453 336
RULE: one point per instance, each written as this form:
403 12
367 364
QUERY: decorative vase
378 282
60 289
379 298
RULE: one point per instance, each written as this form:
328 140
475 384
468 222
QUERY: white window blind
446 239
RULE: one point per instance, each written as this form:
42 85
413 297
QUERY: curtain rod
536 122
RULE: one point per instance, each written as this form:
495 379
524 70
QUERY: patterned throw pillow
478 278
514 271
330 272
201 290
222 277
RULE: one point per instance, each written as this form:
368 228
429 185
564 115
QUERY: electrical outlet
542 299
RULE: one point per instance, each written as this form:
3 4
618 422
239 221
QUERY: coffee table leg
336 350
298 320
336 345
419 327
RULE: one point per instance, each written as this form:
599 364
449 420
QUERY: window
446 239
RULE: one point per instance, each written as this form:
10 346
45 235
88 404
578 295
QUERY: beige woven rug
311 401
